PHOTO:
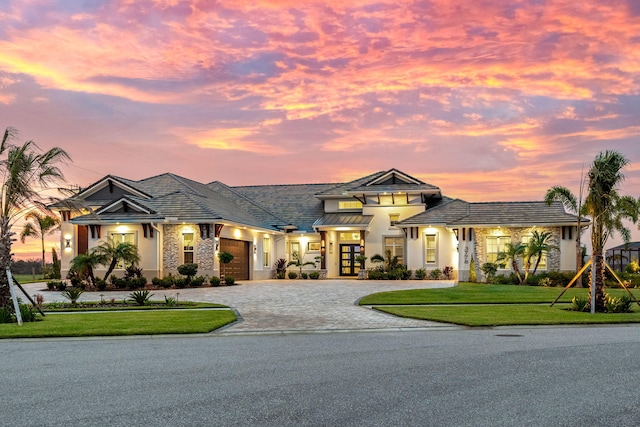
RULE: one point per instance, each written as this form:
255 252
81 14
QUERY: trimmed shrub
435 274
229 281
156 281
305 276
293 275
489 269
314 275
181 282
189 270
215 281
421 274
101 284
167 282
198 281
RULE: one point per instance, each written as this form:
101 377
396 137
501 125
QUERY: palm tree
512 253
42 226
25 173
114 252
84 264
607 209
538 246
574 205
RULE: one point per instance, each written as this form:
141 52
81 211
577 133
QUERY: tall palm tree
608 210
25 172
114 252
574 205
42 226
513 252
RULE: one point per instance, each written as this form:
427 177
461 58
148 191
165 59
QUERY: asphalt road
573 376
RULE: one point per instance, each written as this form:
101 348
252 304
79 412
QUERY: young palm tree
25 172
574 205
84 264
539 246
42 226
114 252
607 209
512 253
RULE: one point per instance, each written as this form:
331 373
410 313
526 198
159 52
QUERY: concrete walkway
289 305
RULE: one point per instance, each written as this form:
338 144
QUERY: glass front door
348 264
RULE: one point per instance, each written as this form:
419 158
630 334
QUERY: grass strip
475 293
120 323
510 314
97 306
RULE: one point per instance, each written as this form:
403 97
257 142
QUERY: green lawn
475 293
508 314
28 278
475 304
120 323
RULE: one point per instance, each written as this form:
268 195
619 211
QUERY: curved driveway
291 305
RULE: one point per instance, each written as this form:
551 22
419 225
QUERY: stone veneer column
204 249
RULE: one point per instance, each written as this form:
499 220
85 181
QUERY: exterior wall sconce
67 243
255 249
217 239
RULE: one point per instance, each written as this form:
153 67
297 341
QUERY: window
396 246
295 251
430 249
313 247
394 218
122 238
187 247
496 245
351 204
347 237
266 252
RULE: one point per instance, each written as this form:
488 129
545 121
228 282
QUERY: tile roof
460 213
296 204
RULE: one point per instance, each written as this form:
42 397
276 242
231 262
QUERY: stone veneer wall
172 250
516 234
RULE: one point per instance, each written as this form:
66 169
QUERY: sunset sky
489 100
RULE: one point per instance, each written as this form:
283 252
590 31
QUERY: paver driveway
292 305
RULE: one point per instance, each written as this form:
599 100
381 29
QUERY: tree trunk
5 261
112 267
578 257
598 264
44 264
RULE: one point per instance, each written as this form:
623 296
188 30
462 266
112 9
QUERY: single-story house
174 220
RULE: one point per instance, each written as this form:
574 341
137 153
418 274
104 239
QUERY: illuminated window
396 246
430 248
266 252
496 245
122 238
295 251
351 204
347 237
187 247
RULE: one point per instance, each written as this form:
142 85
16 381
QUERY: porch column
361 242
323 250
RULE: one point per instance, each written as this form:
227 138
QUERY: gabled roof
390 181
444 213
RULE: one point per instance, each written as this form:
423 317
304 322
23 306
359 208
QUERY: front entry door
348 264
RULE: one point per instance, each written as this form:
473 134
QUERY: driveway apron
290 305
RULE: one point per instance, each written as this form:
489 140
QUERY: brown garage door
239 266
